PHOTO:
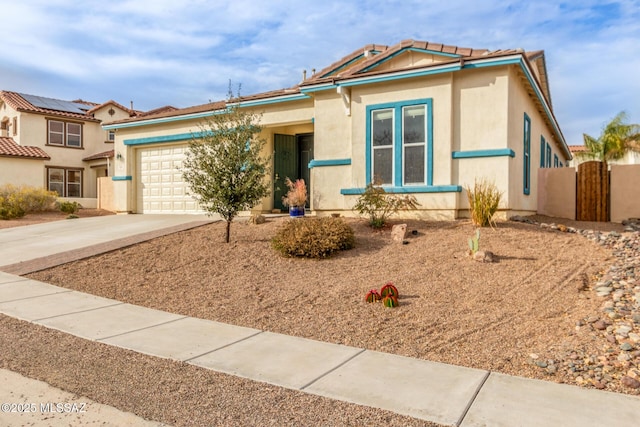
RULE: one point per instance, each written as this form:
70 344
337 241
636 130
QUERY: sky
185 52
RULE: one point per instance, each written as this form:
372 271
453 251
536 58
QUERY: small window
556 161
382 135
111 136
543 147
526 185
74 135
548 156
15 126
56 133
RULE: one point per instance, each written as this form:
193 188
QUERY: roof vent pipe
304 75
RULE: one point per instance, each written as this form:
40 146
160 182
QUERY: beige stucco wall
625 195
520 103
479 109
106 194
19 171
556 193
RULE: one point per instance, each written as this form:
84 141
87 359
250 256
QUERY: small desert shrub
378 206
69 207
484 199
313 237
15 201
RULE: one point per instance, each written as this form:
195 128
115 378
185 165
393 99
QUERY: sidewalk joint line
473 399
143 328
333 369
36 296
77 312
224 346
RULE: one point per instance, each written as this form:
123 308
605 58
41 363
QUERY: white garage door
161 188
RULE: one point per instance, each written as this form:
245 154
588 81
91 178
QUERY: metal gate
592 193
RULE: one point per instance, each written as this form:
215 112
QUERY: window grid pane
56 133
382 134
74 138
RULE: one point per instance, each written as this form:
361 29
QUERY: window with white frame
64 134
398 141
111 136
65 181
382 146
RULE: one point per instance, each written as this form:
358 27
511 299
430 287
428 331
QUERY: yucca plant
484 199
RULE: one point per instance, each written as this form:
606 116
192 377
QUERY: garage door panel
161 188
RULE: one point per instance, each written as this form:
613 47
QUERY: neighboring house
55 144
426 119
630 157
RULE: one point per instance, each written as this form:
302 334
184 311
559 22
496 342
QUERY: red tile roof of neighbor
354 65
9 148
577 148
103 155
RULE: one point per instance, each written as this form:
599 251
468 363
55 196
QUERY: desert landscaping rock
399 232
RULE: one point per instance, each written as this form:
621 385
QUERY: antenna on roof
131 105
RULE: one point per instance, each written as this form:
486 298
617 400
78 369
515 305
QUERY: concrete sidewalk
445 394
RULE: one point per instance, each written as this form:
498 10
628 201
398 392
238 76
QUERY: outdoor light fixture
119 156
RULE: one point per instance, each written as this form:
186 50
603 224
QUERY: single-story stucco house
425 118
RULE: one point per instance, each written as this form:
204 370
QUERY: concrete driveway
27 243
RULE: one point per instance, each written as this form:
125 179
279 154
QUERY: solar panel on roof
56 104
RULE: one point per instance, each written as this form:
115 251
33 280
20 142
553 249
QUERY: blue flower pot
296 211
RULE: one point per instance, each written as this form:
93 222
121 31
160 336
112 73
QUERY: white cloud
183 53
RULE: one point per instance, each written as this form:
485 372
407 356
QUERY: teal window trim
121 178
397 148
407 189
526 166
548 156
330 162
543 144
492 152
556 161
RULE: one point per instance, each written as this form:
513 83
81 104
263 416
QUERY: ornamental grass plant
484 199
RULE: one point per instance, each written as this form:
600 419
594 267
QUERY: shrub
15 201
484 199
378 206
69 207
313 237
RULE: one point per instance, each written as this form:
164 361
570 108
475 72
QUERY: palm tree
616 139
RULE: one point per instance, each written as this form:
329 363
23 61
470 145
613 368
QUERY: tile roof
359 63
578 149
104 155
9 148
110 102
16 101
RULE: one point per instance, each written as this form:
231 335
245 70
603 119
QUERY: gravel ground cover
513 315
539 311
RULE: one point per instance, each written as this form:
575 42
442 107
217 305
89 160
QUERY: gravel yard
533 313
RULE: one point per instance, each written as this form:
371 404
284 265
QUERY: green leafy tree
616 139
224 165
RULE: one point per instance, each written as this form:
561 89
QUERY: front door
292 154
